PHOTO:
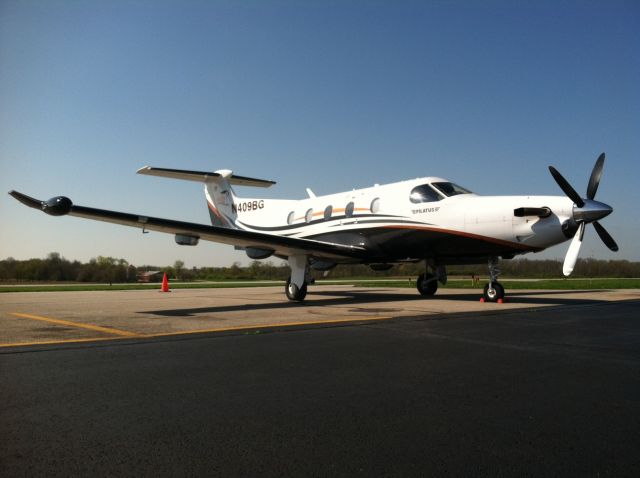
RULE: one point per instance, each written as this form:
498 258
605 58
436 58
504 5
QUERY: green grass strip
544 284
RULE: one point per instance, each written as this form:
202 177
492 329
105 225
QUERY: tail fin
217 189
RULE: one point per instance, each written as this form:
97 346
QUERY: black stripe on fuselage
333 222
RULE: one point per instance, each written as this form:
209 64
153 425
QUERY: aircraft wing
284 246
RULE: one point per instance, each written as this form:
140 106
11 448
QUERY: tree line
102 269
54 268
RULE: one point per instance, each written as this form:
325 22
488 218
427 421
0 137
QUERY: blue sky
331 95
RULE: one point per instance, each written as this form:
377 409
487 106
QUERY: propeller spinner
585 211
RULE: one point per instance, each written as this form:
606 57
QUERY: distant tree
178 266
171 273
54 257
8 269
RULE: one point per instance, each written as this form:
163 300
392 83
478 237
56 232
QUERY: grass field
550 284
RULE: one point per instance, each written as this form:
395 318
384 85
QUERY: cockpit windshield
424 193
450 189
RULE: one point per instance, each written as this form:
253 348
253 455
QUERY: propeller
585 211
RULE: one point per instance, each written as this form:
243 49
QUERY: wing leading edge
284 246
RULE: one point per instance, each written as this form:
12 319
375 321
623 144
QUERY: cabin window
328 211
375 205
308 216
348 211
450 189
290 217
424 193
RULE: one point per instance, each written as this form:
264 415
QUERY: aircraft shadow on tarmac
373 296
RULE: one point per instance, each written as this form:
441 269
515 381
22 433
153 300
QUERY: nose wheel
493 292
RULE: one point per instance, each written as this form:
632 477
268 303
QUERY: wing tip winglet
56 206
26 200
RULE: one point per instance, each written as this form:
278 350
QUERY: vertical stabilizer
217 189
220 199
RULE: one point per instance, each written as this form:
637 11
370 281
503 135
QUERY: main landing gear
294 292
427 283
296 288
493 291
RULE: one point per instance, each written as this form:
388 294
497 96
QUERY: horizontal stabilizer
203 176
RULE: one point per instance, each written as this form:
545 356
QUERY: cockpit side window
424 193
450 189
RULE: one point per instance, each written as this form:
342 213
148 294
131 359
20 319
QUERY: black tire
495 293
293 292
426 284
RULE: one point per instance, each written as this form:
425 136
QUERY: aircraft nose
591 211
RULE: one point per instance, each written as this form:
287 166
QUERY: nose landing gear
493 291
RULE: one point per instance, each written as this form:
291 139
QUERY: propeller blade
606 238
596 174
572 254
566 187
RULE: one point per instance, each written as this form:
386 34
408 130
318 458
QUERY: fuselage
423 218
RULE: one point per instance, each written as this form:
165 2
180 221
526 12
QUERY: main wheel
427 284
493 291
294 292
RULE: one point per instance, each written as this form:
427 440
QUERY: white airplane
426 219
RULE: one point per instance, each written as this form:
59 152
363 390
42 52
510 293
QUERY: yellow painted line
55 342
106 330
123 334
269 326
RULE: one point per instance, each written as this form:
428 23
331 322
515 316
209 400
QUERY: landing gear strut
427 283
493 291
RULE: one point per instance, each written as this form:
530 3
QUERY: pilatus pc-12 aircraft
426 219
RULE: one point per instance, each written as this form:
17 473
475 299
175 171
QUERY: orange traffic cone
165 284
